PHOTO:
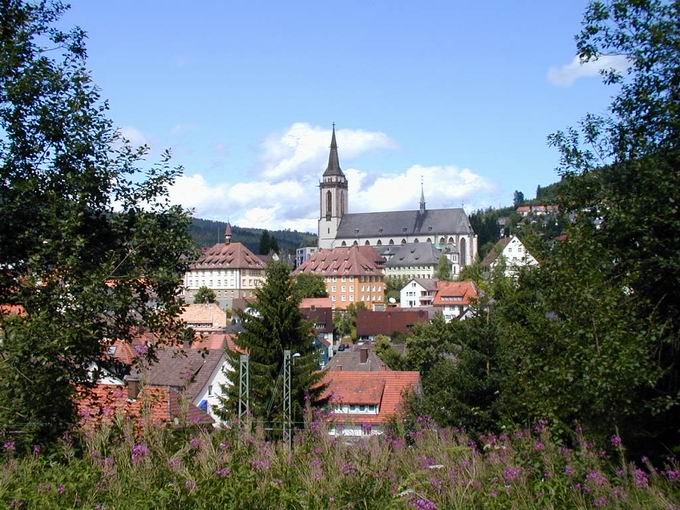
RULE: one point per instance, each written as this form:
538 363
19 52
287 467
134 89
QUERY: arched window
342 203
463 255
403 241
429 239
379 243
329 204
355 243
442 240
451 241
391 241
416 240
344 243
367 243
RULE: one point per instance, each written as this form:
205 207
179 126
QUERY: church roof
415 254
333 159
400 224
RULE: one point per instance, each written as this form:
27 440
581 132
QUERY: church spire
422 196
333 159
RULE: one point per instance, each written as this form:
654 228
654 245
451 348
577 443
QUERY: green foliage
345 322
444 268
205 295
276 325
473 272
268 243
387 353
393 286
191 469
90 246
309 285
517 198
208 232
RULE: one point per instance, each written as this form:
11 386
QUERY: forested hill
208 232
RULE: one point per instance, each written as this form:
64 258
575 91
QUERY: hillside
208 232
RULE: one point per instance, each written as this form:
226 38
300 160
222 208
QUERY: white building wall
217 379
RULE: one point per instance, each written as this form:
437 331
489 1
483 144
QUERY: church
448 229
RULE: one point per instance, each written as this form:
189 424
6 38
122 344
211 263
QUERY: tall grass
425 469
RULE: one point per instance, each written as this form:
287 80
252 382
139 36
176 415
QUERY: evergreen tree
273 245
444 268
88 238
276 325
265 243
517 198
205 295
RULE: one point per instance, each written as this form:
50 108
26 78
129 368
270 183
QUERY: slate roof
385 389
427 283
350 361
102 403
186 370
333 167
415 254
389 322
399 224
345 261
228 256
495 251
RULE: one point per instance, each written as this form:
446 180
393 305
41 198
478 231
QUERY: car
341 347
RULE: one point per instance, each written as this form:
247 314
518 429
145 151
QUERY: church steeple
422 197
333 159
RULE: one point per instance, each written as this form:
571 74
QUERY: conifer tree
276 325
265 243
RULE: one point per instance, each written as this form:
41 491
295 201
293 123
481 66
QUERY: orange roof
383 388
102 403
228 256
347 261
13 310
524 208
455 293
204 315
321 302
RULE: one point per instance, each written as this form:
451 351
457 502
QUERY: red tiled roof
160 405
389 322
228 256
13 310
347 261
204 315
385 389
320 302
455 293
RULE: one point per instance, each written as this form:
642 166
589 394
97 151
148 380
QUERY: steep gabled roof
426 283
345 261
400 224
385 389
228 256
415 254
455 293
495 251
350 361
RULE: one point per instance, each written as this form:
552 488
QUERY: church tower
333 198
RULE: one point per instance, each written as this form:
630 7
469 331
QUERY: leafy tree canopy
205 295
309 285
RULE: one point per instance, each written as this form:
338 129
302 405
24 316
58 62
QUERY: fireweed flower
601 502
224 446
423 504
260 465
10 445
641 479
190 485
616 441
139 453
672 474
195 443
511 474
223 472
348 468
174 463
597 478
539 446
61 490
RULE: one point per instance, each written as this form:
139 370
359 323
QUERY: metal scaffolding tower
243 388
287 404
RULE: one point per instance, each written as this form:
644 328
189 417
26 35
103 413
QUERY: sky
244 93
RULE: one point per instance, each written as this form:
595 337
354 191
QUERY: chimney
132 384
338 368
363 355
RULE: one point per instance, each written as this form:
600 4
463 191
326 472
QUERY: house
351 274
524 210
198 376
512 252
389 322
160 406
302 254
319 312
453 299
231 270
357 358
418 292
361 403
417 260
204 316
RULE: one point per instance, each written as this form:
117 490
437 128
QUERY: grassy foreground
426 469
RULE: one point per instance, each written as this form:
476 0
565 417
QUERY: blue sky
463 94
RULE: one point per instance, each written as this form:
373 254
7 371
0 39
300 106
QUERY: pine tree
265 243
276 325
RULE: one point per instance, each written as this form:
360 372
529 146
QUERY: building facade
231 270
351 275
511 252
445 228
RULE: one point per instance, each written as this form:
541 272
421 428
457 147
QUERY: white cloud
303 148
134 136
285 194
567 74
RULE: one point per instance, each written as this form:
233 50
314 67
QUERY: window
210 390
333 288
351 288
332 298
343 288
342 298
